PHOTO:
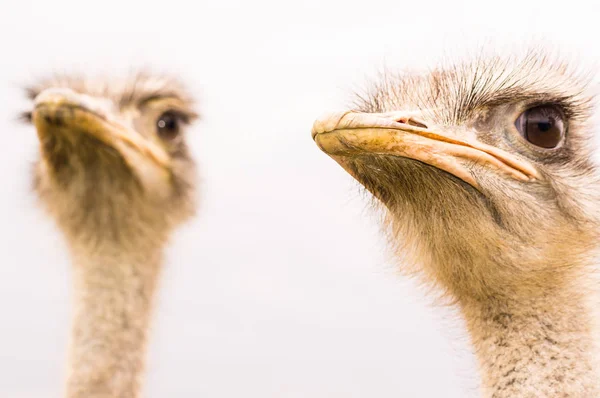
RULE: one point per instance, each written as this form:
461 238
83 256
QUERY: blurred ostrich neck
114 287
536 342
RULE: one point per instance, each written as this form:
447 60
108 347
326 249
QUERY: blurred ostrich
485 173
116 176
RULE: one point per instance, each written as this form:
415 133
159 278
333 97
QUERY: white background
282 286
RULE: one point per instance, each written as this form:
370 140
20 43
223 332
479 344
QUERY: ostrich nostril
412 121
56 119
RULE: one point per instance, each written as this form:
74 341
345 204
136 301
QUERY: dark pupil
545 126
542 126
168 125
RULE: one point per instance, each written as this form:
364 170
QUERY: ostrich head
484 169
114 162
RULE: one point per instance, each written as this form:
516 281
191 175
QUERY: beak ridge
404 134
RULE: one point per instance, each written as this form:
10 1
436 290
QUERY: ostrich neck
113 301
540 346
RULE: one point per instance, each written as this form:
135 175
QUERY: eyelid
170 104
142 103
181 115
562 108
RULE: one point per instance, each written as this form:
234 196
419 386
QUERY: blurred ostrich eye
542 126
168 125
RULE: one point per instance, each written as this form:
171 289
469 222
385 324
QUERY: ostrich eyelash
25 117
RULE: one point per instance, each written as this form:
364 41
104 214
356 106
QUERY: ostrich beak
349 134
59 109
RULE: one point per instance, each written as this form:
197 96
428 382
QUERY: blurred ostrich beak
350 134
67 112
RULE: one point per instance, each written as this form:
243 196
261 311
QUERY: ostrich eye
542 126
168 125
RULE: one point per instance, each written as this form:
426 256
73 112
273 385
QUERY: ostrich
484 173
116 176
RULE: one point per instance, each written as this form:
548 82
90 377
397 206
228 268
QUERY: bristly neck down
113 299
536 345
